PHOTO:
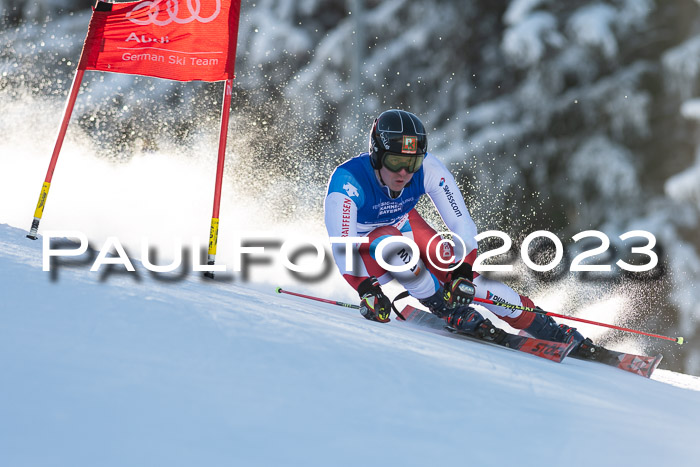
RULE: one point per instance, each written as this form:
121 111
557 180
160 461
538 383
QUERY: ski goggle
395 162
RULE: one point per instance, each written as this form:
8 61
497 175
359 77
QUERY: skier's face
396 181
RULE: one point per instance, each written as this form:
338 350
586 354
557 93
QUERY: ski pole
677 340
332 302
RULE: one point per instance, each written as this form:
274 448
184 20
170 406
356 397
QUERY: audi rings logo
160 17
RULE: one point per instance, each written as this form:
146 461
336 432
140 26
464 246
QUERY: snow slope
130 369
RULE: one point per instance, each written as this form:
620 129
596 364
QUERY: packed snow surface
114 368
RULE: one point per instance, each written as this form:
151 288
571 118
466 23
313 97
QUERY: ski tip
680 340
278 290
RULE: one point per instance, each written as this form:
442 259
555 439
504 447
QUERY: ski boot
462 318
588 350
436 304
486 330
545 328
469 321
465 319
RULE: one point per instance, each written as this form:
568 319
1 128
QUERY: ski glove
460 290
374 305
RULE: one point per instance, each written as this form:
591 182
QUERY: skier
374 195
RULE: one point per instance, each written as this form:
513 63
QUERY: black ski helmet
399 132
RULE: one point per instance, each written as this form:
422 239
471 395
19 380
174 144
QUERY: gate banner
183 40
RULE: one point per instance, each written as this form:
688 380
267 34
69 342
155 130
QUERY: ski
554 351
641 365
